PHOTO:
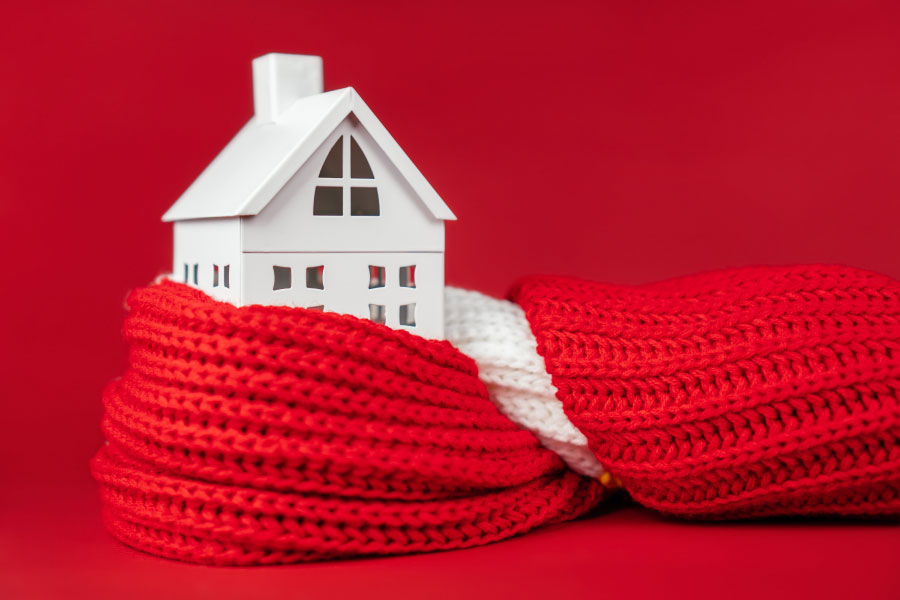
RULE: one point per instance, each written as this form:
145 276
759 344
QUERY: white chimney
280 79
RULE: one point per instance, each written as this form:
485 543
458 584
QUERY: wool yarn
750 392
262 435
498 337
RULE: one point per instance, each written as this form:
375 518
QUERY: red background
624 141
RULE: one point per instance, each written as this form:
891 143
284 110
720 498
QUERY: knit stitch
497 336
752 392
262 435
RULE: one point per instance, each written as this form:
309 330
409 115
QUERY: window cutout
334 162
318 307
282 278
408 276
215 275
359 166
363 202
328 201
376 313
314 277
376 277
196 273
186 272
226 276
408 314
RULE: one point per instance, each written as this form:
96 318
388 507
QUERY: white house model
313 204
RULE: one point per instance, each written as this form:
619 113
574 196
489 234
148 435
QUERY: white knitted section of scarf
496 334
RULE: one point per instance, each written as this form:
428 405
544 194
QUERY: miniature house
313 204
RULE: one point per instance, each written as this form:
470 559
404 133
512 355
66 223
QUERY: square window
364 202
282 278
408 314
314 277
376 277
226 274
408 276
376 313
328 201
215 275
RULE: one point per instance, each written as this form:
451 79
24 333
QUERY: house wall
346 284
205 243
288 223
286 234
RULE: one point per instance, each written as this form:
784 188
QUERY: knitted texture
752 392
262 435
497 336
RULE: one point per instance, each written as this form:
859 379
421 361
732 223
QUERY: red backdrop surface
619 141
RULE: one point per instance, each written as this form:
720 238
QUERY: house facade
314 205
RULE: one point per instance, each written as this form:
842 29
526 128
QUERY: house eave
206 197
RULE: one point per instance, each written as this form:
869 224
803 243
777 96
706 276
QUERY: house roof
262 157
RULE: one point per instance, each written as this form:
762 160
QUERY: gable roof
262 157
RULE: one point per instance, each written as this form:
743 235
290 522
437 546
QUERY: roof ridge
260 159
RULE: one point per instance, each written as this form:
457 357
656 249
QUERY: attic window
328 201
347 178
359 165
334 162
364 202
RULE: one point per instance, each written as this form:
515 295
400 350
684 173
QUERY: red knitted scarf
264 435
765 391
267 434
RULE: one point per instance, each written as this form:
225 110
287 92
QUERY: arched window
346 182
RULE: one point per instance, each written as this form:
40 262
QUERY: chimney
280 79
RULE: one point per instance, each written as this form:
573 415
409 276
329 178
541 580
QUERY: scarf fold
742 393
262 434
